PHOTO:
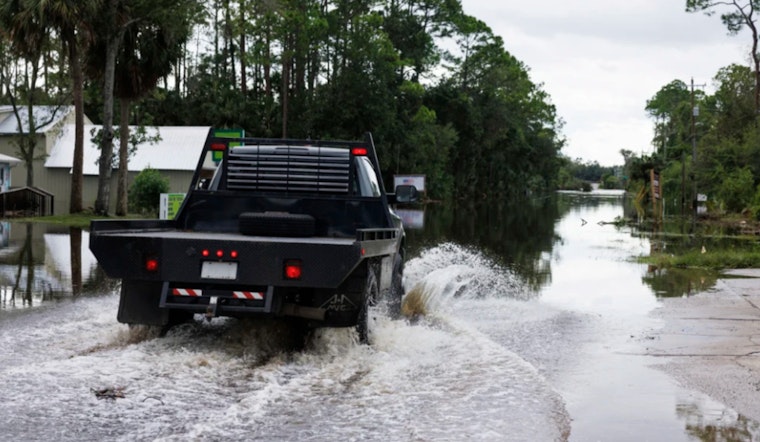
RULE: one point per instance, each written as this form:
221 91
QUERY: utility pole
694 115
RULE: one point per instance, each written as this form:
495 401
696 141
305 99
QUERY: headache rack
288 169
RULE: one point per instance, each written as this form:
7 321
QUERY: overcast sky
601 60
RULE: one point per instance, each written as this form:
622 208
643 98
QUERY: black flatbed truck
301 230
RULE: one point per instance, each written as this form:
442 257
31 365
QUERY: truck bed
124 251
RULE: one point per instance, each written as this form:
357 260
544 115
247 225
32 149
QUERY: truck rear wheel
397 289
369 296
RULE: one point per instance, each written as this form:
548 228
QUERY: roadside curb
710 342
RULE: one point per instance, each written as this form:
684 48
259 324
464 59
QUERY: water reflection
676 236
524 235
712 422
515 234
40 262
674 282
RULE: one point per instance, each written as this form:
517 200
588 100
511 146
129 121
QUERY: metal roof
7 159
179 149
51 115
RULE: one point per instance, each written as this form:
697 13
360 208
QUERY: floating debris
112 393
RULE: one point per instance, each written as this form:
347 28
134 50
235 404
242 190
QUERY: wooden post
654 184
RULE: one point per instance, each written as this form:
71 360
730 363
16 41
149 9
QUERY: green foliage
671 109
755 206
672 183
427 152
737 190
610 182
715 260
146 190
734 100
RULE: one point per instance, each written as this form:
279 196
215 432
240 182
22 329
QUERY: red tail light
359 151
218 146
293 269
151 264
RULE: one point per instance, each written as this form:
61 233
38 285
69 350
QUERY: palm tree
148 53
144 39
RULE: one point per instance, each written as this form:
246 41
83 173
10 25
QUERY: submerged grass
713 260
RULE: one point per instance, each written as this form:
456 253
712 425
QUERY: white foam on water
442 376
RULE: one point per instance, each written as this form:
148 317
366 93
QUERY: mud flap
139 303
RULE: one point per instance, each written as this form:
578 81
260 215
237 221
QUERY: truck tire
397 289
276 224
369 296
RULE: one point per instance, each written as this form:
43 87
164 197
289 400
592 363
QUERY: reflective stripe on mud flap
258 296
187 292
171 298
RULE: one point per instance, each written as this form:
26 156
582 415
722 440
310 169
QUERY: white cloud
601 60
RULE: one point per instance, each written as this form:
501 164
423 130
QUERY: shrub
145 192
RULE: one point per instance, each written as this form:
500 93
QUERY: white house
175 155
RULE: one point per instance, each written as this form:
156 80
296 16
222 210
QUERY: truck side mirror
406 193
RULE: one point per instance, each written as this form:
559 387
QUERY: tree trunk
268 64
31 138
285 92
756 62
121 189
241 56
77 79
106 143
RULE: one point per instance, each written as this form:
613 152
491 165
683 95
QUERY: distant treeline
579 175
438 90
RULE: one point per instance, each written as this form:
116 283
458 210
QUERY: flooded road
501 354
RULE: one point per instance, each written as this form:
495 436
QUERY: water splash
449 271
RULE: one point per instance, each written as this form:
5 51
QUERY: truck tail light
293 269
151 264
359 151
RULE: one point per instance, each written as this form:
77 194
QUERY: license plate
219 270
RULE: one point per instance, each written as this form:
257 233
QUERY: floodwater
535 321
